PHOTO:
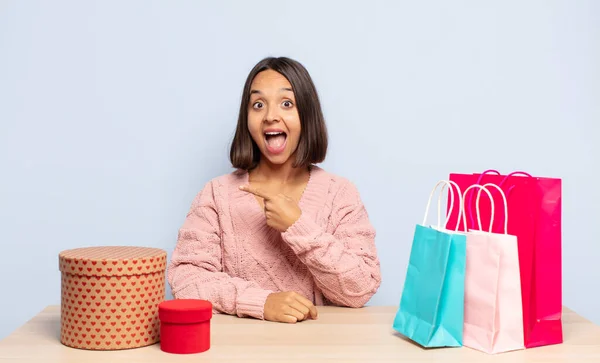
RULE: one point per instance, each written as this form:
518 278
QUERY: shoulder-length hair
312 146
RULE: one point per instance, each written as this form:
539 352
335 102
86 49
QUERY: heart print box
110 296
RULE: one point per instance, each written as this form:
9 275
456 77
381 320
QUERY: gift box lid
113 260
185 311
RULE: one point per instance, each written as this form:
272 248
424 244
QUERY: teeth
273 133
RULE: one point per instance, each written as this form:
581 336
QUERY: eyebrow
255 91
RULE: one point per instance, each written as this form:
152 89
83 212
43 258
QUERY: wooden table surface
339 335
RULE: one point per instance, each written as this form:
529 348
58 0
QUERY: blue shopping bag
431 310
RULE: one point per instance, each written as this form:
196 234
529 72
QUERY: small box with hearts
110 296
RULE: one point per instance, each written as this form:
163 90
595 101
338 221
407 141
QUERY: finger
284 318
289 310
255 191
283 196
301 308
311 307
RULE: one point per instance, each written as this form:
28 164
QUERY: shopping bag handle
503 200
449 184
481 188
478 182
489 171
524 173
501 183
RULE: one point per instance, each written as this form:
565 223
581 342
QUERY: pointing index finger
255 191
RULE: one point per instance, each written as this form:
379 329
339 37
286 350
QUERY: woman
278 236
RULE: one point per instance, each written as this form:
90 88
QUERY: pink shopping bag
493 320
535 210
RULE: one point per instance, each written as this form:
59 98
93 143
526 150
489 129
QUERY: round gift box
185 326
110 296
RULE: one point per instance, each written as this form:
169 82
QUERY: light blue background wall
114 114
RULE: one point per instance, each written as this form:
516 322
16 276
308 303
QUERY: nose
272 115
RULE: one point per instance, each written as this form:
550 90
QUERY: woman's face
273 118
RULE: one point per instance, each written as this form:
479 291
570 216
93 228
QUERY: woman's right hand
288 307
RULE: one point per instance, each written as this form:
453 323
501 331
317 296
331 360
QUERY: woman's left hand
281 211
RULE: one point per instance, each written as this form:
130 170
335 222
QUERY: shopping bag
493 321
535 209
432 304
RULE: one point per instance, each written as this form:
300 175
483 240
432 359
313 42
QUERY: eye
257 105
288 104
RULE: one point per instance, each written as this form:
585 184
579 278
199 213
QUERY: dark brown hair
312 146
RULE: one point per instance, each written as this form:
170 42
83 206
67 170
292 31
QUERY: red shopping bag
535 209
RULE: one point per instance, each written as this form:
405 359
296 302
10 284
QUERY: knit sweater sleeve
344 263
195 270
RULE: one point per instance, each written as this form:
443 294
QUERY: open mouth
275 141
